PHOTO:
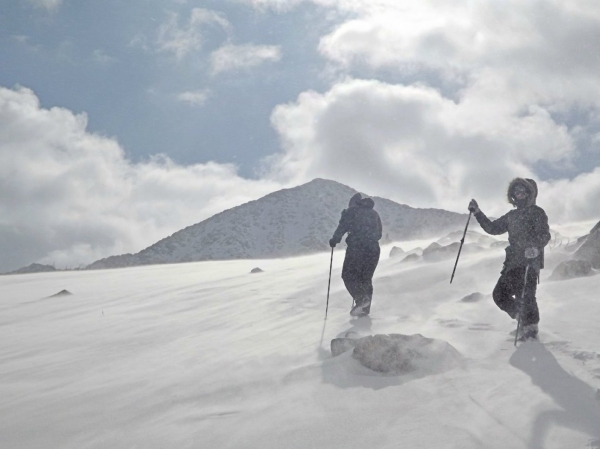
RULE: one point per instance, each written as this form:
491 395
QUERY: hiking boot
529 332
361 308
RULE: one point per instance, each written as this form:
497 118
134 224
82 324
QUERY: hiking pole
329 284
461 245
521 304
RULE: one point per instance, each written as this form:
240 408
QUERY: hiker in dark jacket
363 225
528 234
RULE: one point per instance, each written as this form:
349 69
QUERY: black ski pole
329 284
460 247
521 304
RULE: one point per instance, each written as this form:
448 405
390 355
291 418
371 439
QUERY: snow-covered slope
208 355
288 222
34 268
590 249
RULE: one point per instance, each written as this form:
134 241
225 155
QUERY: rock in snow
411 258
590 249
473 297
436 252
256 270
61 293
401 354
570 269
396 251
456 236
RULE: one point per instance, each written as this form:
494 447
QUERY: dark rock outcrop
590 249
473 297
436 252
456 236
398 354
570 269
396 251
61 293
411 258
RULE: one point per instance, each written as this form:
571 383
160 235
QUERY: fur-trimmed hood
529 184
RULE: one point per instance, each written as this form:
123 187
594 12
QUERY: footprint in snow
451 323
481 327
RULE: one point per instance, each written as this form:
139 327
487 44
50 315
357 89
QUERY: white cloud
100 57
21 39
235 57
140 41
542 50
182 40
50 5
70 197
195 97
569 199
411 144
516 67
278 5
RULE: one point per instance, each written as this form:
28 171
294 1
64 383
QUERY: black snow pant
508 291
359 266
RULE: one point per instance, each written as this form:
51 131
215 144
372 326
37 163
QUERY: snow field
207 355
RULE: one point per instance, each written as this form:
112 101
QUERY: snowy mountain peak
288 222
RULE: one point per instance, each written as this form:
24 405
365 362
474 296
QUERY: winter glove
532 253
473 207
332 243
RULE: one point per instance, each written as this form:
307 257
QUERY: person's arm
340 231
541 229
496 227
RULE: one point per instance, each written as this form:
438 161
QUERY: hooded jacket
360 221
527 227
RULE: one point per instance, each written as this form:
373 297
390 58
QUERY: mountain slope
289 222
207 355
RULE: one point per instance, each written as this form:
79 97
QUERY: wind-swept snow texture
208 355
285 223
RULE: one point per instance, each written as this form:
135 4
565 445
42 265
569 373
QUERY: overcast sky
123 122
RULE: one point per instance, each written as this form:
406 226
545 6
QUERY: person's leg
351 273
365 262
530 312
507 289
370 261
354 288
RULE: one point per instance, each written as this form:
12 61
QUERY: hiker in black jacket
363 225
528 234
